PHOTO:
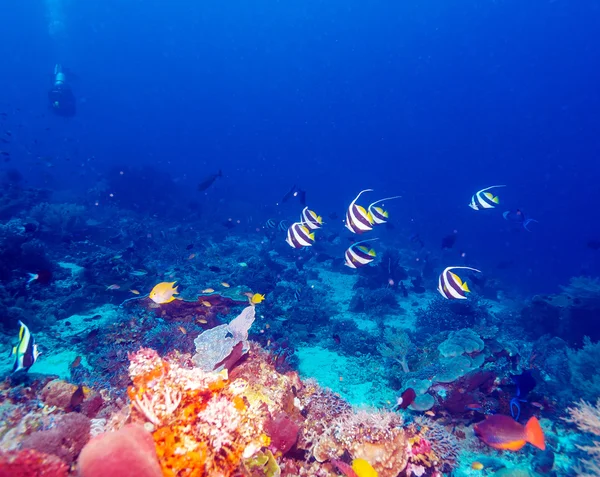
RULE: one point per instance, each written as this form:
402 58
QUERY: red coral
282 431
128 452
31 463
65 440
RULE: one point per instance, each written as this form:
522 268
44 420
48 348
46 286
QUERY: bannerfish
504 433
164 293
26 352
206 183
310 219
358 220
451 286
485 200
379 215
358 255
299 236
518 217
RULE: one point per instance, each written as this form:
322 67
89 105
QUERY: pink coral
65 440
283 432
128 452
31 463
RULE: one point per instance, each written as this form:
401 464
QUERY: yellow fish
208 290
225 284
201 321
256 298
363 469
135 292
164 293
477 466
207 303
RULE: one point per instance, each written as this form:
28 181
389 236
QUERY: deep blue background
429 99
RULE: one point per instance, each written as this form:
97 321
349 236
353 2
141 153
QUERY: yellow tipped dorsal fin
465 287
496 200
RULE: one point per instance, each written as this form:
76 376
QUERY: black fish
4 153
594 244
415 238
189 246
214 268
403 289
295 192
77 398
206 183
448 241
525 383
5 141
337 338
229 224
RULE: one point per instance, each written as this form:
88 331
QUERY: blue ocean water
430 100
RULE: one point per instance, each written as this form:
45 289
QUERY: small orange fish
114 286
429 413
477 466
202 321
182 329
135 292
192 255
267 326
208 290
207 303
225 284
76 362
341 378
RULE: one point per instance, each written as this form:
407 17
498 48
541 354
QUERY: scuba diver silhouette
60 97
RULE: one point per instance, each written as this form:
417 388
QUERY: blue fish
518 217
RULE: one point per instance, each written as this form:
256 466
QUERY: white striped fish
379 215
451 286
358 220
484 200
357 255
26 352
311 219
299 236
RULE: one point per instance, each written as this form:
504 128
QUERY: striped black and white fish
271 224
357 255
311 219
358 220
299 236
378 215
451 286
485 200
26 352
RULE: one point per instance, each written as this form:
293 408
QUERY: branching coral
587 418
583 364
396 346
